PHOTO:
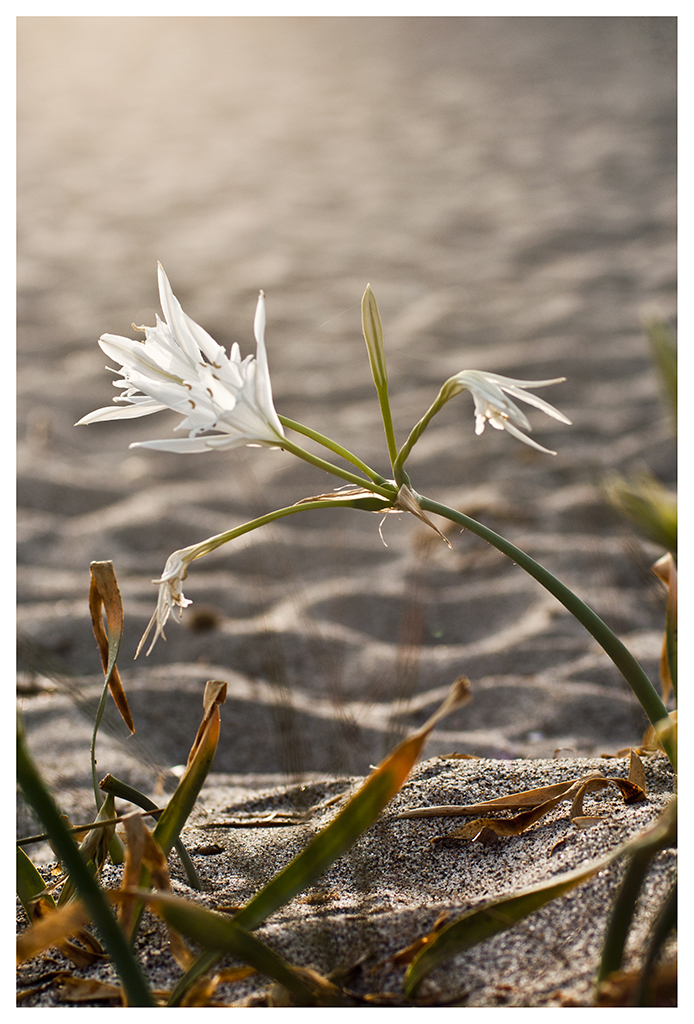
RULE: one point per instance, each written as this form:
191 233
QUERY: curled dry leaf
536 803
105 599
58 927
142 851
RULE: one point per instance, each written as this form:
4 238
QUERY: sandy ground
507 186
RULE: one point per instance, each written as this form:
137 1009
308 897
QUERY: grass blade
92 895
30 884
336 838
358 814
223 934
177 811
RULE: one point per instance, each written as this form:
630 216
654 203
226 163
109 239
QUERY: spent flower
226 401
171 594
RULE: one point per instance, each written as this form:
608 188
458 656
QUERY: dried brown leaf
528 798
637 773
105 599
142 850
84 990
51 928
214 695
407 955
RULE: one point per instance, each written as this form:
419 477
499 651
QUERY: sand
507 188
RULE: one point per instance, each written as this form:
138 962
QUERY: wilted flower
489 391
170 592
180 367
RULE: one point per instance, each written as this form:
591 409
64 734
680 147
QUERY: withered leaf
407 955
105 599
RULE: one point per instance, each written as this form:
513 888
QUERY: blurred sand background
507 186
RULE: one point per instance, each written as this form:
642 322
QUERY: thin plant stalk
333 446
635 676
386 491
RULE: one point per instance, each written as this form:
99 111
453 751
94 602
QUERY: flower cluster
226 401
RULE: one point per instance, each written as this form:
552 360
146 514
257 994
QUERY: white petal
175 318
538 403
525 439
121 412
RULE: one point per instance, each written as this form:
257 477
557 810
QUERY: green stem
109 930
635 676
123 791
386 491
415 434
333 446
98 796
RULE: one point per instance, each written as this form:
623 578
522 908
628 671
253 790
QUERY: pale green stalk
204 548
333 446
387 491
443 396
373 336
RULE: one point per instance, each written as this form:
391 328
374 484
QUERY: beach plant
226 401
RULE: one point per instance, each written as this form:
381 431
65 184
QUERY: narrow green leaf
373 336
215 931
336 838
109 784
30 884
483 922
111 936
356 816
624 906
664 352
177 811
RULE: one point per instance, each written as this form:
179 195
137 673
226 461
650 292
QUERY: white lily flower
180 367
170 593
489 391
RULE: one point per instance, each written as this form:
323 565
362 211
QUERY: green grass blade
624 905
336 838
222 934
123 791
30 884
483 922
111 936
662 927
177 811
359 813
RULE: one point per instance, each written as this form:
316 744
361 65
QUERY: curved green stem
415 434
635 676
200 550
333 446
387 491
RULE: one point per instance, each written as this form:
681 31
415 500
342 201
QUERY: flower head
490 390
226 401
